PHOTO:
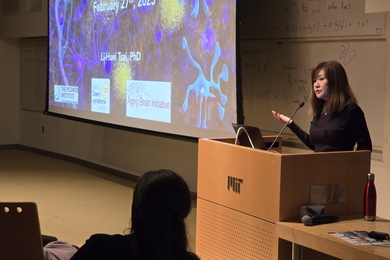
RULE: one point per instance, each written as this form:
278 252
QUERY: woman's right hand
282 118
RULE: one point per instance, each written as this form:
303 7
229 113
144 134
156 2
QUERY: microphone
311 220
299 106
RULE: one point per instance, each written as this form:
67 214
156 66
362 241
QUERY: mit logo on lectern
234 183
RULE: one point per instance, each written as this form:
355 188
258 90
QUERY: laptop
245 134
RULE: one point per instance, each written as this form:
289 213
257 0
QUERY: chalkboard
33 73
307 18
276 76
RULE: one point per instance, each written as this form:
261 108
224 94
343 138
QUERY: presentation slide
161 65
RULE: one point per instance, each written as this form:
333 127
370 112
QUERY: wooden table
318 238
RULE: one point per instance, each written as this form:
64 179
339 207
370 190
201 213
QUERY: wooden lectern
243 192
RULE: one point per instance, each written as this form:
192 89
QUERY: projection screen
161 65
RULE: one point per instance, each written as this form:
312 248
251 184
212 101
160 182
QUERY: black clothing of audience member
161 202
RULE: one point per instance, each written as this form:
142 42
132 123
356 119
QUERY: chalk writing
33 73
256 67
293 77
272 95
347 54
34 55
308 18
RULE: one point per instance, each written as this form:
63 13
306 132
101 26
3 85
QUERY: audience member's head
161 202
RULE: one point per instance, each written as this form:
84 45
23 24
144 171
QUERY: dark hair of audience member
161 202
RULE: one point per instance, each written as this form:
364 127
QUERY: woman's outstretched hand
282 118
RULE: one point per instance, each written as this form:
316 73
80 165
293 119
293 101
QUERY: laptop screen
249 136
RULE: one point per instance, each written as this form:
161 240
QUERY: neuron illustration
201 86
71 61
195 11
74 56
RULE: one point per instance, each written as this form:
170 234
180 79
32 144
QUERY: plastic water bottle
369 202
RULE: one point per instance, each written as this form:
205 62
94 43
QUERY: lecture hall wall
126 151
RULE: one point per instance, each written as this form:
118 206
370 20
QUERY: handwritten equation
34 55
308 18
33 71
284 76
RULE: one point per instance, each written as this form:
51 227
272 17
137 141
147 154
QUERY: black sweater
114 247
337 131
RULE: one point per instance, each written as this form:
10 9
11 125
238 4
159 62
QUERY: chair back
20 233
